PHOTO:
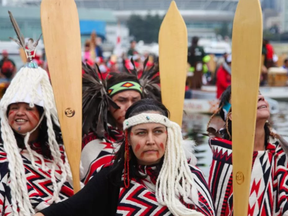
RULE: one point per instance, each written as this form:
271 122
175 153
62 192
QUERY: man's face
133 44
124 100
5 55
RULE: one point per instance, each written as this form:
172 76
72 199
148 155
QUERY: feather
36 43
134 70
21 41
95 101
145 63
126 69
149 80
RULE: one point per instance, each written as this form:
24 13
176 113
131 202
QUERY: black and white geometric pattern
268 186
140 200
38 183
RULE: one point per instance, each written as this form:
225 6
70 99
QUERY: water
194 125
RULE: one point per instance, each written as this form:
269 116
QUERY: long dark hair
225 98
141 106
227 132
42 137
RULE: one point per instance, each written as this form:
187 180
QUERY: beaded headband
146 118
123 86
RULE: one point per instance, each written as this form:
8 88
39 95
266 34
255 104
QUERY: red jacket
223 80
270 52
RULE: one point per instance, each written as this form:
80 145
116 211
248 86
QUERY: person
102 65
132 51
196 58
112 63
95 42
7 67
34 171
268 189
268 62
223 76
285 64
151 176
86 54
104 106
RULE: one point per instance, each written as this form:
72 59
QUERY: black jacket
98 197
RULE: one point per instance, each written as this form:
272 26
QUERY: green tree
146 28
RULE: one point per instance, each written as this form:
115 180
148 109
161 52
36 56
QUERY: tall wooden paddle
23 55
246 64
93 46
173 62
61 33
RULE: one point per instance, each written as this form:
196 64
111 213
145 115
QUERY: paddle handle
246 64
61 33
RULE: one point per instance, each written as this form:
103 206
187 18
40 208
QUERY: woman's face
87 47
23 118
148 142
263 111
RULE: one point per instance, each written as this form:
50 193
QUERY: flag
118 50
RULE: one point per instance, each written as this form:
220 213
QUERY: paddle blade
173 62
22 55
61 33
246 64
92 46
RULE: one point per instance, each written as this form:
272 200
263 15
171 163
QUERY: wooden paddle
173 62
61 33
23 55
93 46
246 64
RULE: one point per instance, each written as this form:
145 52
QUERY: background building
103 21
268 4
109 17
284 15
201 16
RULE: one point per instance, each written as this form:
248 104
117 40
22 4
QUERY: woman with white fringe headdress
33 165
150 176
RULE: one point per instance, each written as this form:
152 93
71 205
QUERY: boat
200 105
215 46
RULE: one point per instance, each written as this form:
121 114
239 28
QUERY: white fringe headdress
175 179
30 85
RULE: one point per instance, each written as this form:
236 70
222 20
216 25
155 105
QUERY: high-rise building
202 17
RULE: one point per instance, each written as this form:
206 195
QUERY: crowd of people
134 160
221 76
